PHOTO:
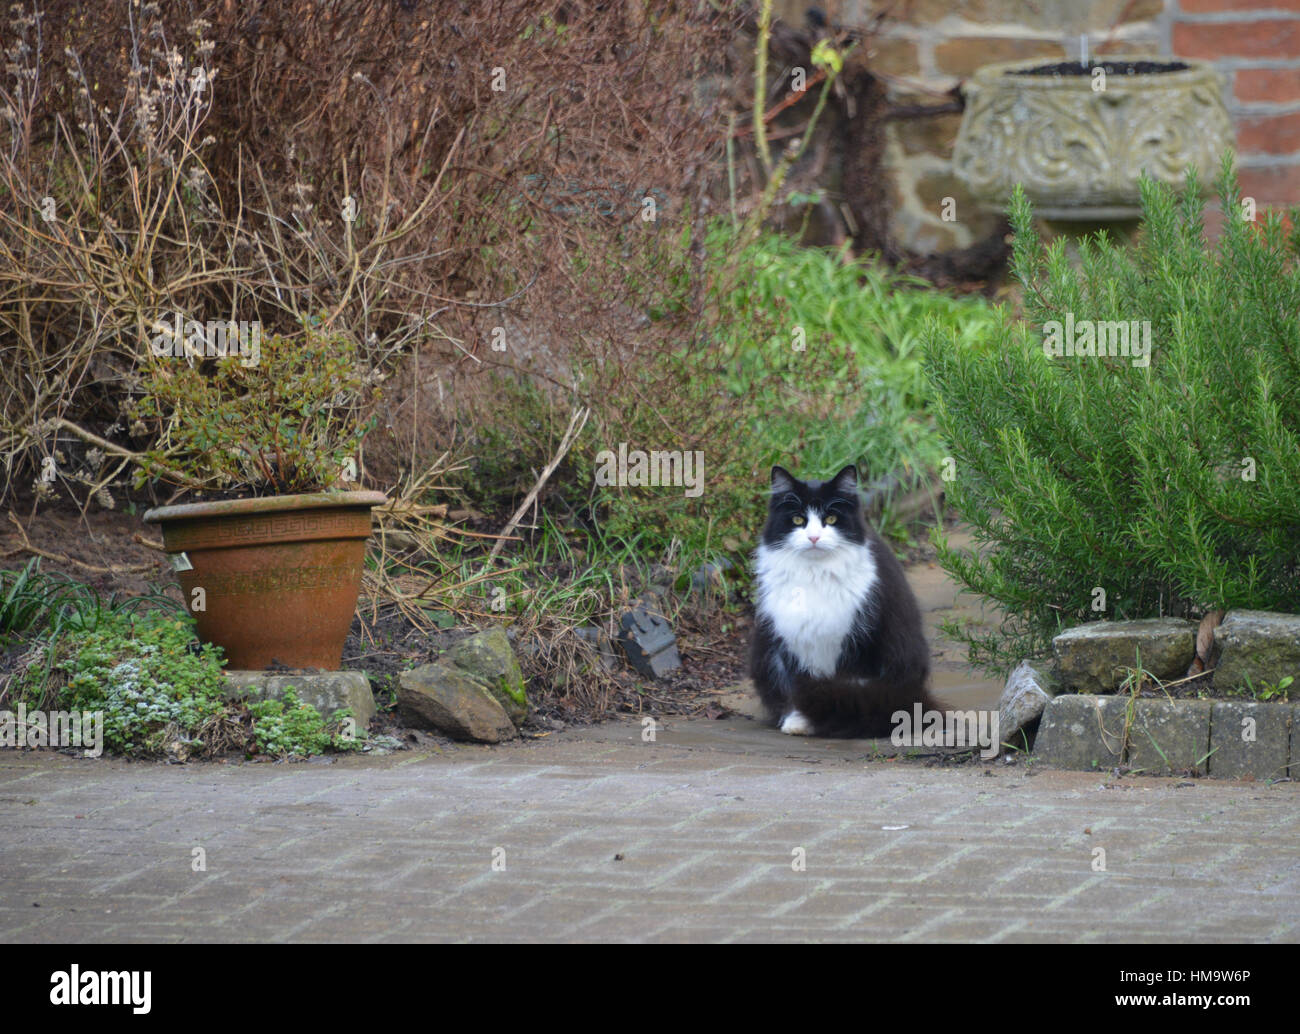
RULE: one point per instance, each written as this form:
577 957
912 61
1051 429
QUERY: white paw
795 724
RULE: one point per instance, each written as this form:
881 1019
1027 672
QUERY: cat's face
815 519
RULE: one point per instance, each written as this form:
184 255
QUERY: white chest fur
813 603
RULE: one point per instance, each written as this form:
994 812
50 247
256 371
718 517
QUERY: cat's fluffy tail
853 708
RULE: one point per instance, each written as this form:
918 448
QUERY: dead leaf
1205 637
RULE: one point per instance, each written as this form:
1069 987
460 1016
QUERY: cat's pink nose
813 539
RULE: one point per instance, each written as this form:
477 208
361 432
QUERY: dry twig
576 423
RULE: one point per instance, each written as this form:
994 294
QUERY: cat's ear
782 480
846 481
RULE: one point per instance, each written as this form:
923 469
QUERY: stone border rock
1095 723
1225 739
1252 650
1091 658
327 691
475 691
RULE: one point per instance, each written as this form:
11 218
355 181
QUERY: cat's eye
797 520
830 518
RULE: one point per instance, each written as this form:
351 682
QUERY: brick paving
708 824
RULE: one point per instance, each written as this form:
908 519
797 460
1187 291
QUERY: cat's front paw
795 724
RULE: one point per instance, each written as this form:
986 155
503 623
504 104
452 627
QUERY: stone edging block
1082 732
1251 739
1226 739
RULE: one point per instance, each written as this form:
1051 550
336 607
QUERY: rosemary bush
1168 484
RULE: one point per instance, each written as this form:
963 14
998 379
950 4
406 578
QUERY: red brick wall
1256 45
928 46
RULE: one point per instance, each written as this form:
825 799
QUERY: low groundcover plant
160 692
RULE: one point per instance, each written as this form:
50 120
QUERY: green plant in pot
271 570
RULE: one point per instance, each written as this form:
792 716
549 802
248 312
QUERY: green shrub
1171 486
881 316
157 686
289 726
285 418
33 601
855 391
807 360
38 609
27 598
142 673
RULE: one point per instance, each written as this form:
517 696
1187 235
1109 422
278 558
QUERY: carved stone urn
1077 135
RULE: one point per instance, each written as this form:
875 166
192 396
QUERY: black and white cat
838 644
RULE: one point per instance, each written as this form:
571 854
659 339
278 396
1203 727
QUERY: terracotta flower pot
279 577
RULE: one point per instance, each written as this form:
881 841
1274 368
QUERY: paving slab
714 831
